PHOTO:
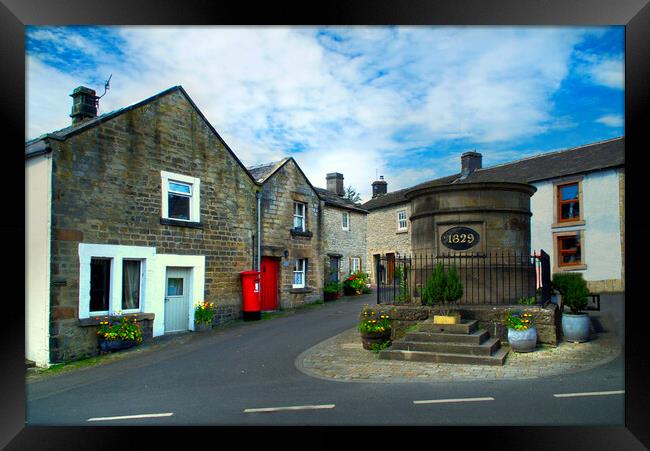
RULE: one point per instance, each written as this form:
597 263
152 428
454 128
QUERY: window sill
307 233
179 223
95 320
558 225
571 268
301 290
402 231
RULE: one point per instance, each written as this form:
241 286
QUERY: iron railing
496 278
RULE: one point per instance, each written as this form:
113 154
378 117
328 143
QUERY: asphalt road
246 375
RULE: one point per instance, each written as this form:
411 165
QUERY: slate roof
577 160
41 145
262 172
335 200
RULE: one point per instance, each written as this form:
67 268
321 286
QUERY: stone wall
490 317
383 236
281 190
106 189
346 243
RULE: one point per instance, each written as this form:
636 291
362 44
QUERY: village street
248 374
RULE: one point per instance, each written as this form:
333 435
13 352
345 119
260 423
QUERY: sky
400 102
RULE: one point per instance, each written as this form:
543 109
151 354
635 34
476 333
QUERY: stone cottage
291 265
143 211
577 210
344 231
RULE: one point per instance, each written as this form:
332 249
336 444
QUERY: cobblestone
342 358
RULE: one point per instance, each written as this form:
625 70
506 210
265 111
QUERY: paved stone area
342 358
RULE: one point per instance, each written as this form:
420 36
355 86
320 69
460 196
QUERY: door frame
197 294
188 290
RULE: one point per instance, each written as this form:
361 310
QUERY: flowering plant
374 320
204 313
356 281
518 320
121 329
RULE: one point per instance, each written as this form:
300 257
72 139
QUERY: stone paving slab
342 358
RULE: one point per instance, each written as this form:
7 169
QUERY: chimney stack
84 104
379 187
469 162
335 183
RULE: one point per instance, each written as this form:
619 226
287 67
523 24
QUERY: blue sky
402 102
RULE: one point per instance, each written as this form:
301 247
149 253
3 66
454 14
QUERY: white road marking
130 417
593 393
279 409
440 401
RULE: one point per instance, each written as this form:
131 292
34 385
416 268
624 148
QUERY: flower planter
522 340
115 345
201 327
576 328
368 339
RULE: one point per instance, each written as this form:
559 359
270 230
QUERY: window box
305 233
174 222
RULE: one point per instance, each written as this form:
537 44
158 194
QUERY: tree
351 194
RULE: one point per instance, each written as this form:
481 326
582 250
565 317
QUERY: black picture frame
633 14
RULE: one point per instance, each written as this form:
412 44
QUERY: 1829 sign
460 238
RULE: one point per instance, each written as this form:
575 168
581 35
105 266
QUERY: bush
375 319
453 288
355 282
434 289
120 329
573 289
332 287
204 312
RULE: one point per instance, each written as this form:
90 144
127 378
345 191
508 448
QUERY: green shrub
332 287
434 289
453 288
573 289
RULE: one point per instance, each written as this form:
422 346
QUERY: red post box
251 299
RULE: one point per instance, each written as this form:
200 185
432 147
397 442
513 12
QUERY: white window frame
399 220
195 194
352 265
345 221
116 253
302 216
299 268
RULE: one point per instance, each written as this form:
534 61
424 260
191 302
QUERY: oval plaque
460 238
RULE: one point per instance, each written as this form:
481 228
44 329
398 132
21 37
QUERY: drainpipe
258 194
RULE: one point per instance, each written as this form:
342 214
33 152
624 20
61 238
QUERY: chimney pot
335 183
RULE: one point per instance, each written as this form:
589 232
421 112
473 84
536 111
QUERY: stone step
485 349
476 337
419 356
464 327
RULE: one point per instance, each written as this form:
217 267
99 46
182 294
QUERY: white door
177 299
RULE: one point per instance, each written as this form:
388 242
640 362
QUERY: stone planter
202 327
576 328
522 340
115 345
368 339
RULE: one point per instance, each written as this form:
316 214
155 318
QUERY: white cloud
349 100
611 120
608 71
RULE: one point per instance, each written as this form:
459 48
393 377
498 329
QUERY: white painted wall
38 196
602 228
152 297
